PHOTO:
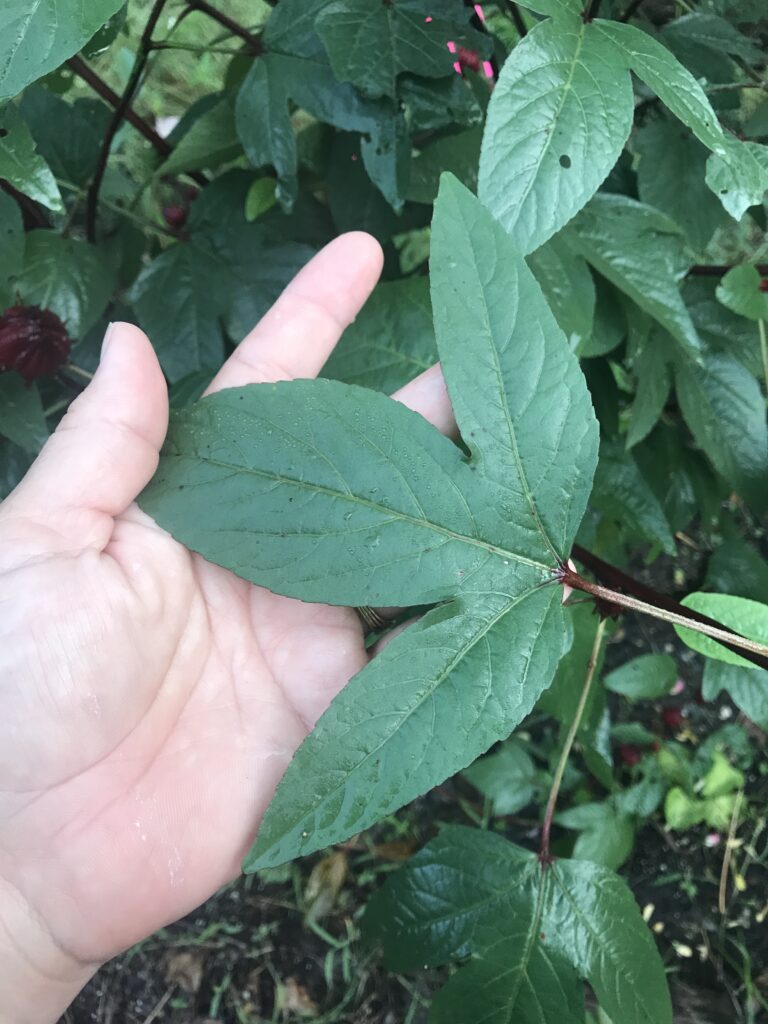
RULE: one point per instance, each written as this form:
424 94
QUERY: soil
249 956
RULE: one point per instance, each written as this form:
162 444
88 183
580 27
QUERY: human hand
149 701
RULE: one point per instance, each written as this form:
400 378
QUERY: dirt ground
253 955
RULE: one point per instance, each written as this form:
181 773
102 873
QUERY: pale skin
149 701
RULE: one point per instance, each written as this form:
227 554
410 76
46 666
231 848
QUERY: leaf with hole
557 123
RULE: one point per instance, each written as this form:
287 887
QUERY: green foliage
35 40
530 930
606 374
488 533
749 618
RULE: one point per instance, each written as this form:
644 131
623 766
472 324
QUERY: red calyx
763 286
469 58
630 754
175 216
33 342
673 717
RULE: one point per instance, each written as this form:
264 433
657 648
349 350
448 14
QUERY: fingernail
107 337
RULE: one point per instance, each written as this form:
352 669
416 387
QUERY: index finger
296 336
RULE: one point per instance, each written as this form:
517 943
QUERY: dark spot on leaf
565 160
723 191
542 936
3 132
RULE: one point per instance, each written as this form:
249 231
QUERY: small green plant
587 198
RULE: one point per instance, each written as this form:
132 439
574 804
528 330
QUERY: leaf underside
329 492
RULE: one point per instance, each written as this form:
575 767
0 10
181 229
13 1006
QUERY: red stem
121 109
255 43
717 270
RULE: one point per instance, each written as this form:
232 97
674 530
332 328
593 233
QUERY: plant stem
123 104
763 349
78 371
613 577
192 48
717 270
517 18
544 855
99 86
233 26
730 640
591 11
630 10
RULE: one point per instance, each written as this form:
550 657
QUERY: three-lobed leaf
472 893
328 492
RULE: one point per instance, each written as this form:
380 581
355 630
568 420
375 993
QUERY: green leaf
747 688
682 811
713 33
557 123
527 928
607 836
370 43
11 247
68 276
391 341
355 202
439 103
262 111
566 281
21 165
722 404
722 777
654 383
178 299
351 487
36 38
21 414
621 493
211 140
610 321
561 699
457 153
645 678
67 135
748 618
261 197
670 176
507 778
739 290
739 178
676 87
14 463
736 567
525 412
643 253
554 8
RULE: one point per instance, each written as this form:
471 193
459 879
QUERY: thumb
106 448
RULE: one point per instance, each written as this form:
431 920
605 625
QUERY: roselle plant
571 201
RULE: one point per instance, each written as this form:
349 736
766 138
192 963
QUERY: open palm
151 701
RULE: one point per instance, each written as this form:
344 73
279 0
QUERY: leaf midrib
429 692
376 506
